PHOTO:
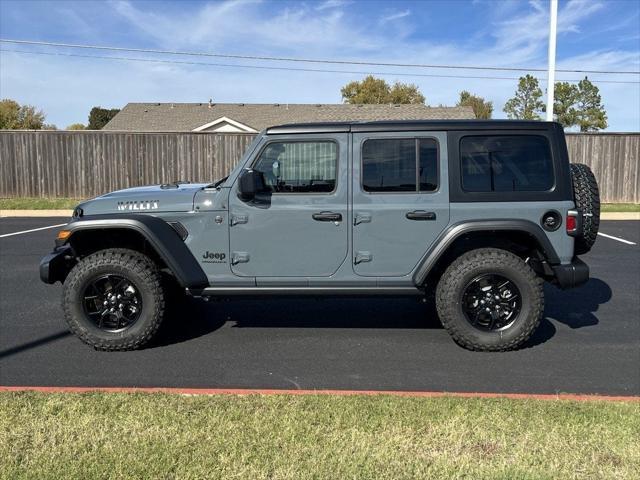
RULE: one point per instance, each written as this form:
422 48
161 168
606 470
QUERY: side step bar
233 291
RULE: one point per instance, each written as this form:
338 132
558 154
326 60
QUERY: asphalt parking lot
589 341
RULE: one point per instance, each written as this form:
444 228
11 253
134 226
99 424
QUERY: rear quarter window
506 163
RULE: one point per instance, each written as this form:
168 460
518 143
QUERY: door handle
421 215
361 218
327 217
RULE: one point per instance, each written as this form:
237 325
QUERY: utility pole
553 22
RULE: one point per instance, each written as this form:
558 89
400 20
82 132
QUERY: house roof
185 117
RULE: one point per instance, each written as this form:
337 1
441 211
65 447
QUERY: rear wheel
490 300
587 198
113 299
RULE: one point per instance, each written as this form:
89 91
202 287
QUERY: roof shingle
185 117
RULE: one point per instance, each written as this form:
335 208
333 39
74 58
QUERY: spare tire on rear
587 200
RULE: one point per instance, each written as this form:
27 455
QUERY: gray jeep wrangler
477 214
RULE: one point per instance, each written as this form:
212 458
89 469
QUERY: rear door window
400 165
506 163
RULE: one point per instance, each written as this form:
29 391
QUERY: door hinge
362 218
237 219
362 257
239 257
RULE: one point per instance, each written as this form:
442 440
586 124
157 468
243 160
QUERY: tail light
572 224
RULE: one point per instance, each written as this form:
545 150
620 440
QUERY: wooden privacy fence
86 164
614 159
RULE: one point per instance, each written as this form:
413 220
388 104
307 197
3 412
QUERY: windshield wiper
218 183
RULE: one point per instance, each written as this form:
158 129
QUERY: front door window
299 167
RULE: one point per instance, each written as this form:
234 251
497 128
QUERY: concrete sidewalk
36 213
67 213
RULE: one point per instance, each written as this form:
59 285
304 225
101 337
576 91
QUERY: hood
149 199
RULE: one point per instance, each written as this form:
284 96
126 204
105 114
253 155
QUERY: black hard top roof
409 125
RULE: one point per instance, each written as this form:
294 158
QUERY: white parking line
617 238
32 230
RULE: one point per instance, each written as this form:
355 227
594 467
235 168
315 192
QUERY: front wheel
490 300
113 299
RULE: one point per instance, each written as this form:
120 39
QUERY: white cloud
230 23
527 33
395 16
332 4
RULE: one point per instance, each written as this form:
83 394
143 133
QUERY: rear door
299 226
400 201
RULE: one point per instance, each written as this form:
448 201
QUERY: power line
305 60
264 67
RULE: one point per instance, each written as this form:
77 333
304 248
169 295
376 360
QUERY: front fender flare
160 235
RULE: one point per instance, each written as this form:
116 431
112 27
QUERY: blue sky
593 34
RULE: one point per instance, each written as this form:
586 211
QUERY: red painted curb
257 391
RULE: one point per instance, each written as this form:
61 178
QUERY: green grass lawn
620 207
99 435
29 203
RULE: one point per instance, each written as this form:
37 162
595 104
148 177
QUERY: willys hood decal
154 198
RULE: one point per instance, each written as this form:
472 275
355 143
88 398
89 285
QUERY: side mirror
250 184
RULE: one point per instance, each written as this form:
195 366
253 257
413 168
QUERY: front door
400 199
297 227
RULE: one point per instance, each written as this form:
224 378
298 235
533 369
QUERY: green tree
481 108
75 126
591 115
14 116
99 117
405 93
378 91
526 104
564 104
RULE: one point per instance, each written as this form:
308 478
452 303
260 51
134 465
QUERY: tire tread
129 259
587 198
485 257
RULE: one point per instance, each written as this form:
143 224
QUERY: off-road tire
587 199
132 265
450 290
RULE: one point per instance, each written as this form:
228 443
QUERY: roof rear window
506 163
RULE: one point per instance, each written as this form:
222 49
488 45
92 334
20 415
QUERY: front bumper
56 265
572 274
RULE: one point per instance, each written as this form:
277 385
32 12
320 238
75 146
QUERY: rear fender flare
453 232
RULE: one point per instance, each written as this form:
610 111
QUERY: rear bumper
572 274
56 265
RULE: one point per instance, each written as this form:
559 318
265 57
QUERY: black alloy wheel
112 302
491 302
